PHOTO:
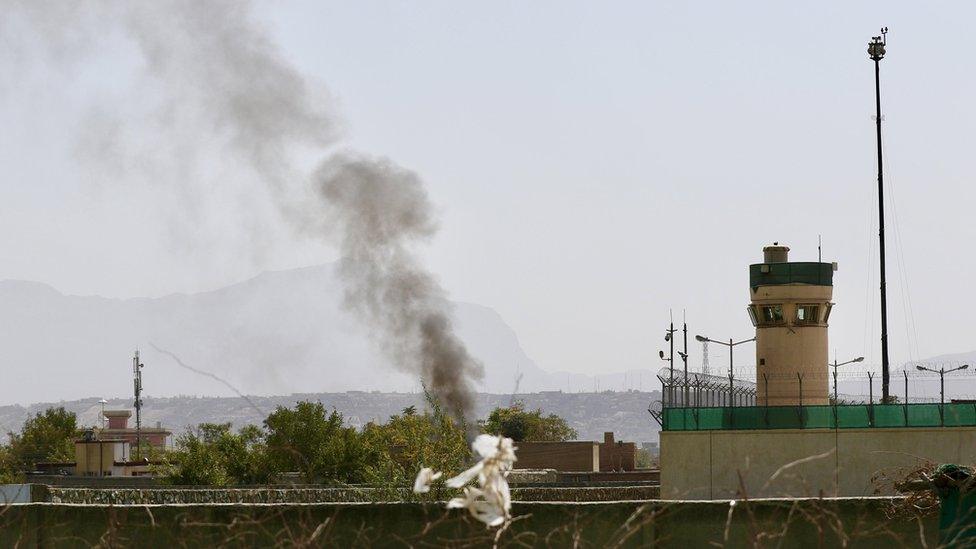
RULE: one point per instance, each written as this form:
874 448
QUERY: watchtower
790 306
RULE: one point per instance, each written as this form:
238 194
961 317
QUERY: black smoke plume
214 78
382 209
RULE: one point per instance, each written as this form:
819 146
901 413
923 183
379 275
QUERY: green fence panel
748 417
889 415
853 417
960 415
819 417
711 418
784 417
924 415
674 419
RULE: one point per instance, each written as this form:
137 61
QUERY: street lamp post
942 372
835 365
731 344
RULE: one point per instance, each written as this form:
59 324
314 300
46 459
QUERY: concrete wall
842 462
561 456
796 523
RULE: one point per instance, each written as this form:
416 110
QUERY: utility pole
669 337
137 385
876 51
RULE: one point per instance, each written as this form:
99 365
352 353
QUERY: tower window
772 314
827 313
807 314
752 315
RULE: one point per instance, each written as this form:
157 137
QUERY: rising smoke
382 209
218 77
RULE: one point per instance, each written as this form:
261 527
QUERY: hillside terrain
591 414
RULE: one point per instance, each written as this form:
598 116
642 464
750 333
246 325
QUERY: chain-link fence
923 395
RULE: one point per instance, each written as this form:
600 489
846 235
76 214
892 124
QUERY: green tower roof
776 274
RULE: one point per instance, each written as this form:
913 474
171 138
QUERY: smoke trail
207 374
382 209
221 80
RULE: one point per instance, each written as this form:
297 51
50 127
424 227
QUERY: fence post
870 399
731 401
664 406
906 396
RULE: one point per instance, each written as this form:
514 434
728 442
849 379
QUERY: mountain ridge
277 332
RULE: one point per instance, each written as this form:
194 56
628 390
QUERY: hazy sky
595 164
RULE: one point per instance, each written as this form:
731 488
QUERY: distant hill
278 333
591 414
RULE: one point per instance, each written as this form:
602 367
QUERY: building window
752 315
807 314
827 312
772 314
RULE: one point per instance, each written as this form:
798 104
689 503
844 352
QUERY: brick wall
561 456
617 456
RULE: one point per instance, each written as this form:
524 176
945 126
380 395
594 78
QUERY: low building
617 456
118 428
575 456
98 457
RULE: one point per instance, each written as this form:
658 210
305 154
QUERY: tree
9 472
317 444
518 424
47 436
213 455
409 441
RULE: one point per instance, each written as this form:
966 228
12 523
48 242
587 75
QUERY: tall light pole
876 51
731 345
835 365
942 372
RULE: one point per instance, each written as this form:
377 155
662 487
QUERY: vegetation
316 444
46 436
213 455
307 439
411 440
644 460
518 424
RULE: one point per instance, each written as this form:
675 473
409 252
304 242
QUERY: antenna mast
876 51
137 386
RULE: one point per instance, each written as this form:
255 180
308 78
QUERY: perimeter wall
803 462
856 522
